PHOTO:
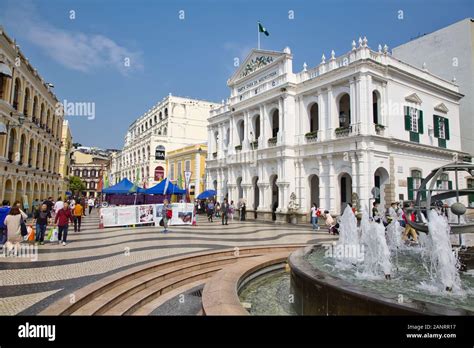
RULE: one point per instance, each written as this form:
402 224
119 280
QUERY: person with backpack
4 211
315 213
13 223
62 219
166 214
41 218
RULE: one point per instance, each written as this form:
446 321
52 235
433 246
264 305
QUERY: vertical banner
187 181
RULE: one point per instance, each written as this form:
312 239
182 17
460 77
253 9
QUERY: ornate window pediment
255 64
441 108
414 98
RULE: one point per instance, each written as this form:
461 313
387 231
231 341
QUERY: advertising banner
145 214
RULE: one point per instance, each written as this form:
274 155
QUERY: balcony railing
254 145
238 148
342 132
272 142
311 137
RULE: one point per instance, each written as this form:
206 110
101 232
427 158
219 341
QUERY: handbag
23 228
169 214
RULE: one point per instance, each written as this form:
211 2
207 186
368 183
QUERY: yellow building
192 159
30 129
65 157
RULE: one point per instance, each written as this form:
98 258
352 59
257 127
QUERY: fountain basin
318 292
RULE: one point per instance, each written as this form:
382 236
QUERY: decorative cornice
442 108
414 98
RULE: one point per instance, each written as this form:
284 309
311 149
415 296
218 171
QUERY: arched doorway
314 189
240 130
381 179
8 191
22 149
345 190
256 195
275 198
11 145
19 192
240 190
256 127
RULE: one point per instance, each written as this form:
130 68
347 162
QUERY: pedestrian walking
62 219
166 214
225 211
41 218
315 213
210 210
58 205
49 203
4 211
77 213
91 204
243 212
218 210
232 210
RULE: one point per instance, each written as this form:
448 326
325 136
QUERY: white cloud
74 50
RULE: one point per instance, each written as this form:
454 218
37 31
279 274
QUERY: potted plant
272 140
379 127
238 147
293 208
311 135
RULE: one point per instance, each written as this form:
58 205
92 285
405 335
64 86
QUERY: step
92 291
116 294
149 307
132 303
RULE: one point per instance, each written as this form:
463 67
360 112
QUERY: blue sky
193 56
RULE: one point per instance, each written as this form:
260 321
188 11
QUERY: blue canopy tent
123 187
159 189
207 194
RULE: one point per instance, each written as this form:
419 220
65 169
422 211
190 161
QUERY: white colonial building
330 134
171 124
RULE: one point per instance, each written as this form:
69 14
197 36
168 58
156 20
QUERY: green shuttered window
414 123
441 129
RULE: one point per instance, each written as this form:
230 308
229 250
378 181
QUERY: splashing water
348 232
376 253
439 250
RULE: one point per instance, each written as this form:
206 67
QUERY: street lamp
342 118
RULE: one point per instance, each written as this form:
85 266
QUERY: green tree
76 185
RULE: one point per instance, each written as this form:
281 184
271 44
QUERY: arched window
161 116
256 127
42 115
85 173
165 131
314 118
275 123
26 102
93 173
35 109
155 119
77 172
240 130
345 111
166 112
16 94
376 107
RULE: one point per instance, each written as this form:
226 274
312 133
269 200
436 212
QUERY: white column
353 98
384 108
368 106
322 117
280 121
246 143
332 181
333 117
210 141
323 203
261 140
197 173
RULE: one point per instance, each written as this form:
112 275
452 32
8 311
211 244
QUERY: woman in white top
13 222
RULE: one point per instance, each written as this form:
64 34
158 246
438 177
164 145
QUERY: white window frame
444 178
180 168
414 120
187 165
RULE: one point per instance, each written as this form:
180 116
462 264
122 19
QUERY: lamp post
342 119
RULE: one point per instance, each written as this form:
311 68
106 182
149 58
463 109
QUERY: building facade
65 158
30 129
190 159
171 124
449 53
354 125
91 169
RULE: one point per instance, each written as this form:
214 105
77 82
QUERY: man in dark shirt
224 211
49 203
41 218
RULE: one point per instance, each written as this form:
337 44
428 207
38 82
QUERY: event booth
207 194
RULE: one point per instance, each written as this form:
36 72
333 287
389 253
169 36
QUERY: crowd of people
225 211
14 219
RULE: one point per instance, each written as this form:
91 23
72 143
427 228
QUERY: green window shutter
407 118
414 137
442 143
436 126
438 183
410 187
450 184
420 121
446 128
423 193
